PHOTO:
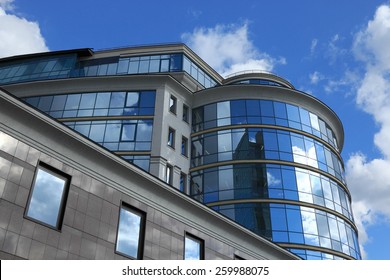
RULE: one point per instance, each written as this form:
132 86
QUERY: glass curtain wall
274 168
122 122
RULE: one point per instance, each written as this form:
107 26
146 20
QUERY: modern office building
145 152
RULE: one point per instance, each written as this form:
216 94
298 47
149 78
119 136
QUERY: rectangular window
193 248
184 146
128 132
169 174
171 137
172 104
183 182
48 196
186 111
130 234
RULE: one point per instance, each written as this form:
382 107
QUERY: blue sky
336 50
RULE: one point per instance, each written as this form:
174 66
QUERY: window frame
183 182
169 175
186 116
64 196
173 104
184 146
196 239
141 235
171 140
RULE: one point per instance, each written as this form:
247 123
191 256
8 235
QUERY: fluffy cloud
369 179
228 49
18 35
7 4
315 77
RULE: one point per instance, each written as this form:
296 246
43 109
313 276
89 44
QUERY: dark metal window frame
141 237
171 140
61 212
196 239
173 106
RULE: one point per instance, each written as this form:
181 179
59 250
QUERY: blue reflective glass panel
46 197
103 100
45 103
128 132
293 113
280 110
294 220
237 108
267 108
278 219
87 101
253 107
58 103
129 231
192 248
305 119
97 132
117 100
73 101
284 142
270 141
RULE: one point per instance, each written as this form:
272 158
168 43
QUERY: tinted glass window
253 107
132 99
128 132
73 101
280 110
278 218
103 100
267 108
193 248
147 99
294 220
45 103
117 100
293 113
185 113
172 104
47 197
171 137
58 102
129 237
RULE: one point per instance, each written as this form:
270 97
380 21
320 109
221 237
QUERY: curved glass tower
268 157
251 146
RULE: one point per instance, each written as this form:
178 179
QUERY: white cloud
228 49
334 49
369 179
272 181
315 77
17 34
347 83
7 4
313 46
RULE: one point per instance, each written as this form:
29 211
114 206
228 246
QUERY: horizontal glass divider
133 153
315 248
284 201
269 126
277 162
104 118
